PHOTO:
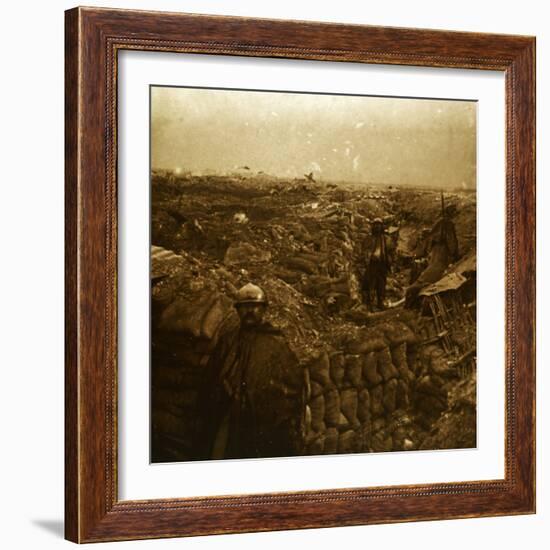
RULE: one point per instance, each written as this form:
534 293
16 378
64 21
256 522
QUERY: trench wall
362 393
360 396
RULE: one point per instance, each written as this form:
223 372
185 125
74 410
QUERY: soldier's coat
253 398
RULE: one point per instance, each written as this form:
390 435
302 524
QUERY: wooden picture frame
93 511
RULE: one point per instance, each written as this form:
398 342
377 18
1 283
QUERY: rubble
378 381
456 427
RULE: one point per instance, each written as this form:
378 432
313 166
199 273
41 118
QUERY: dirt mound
456 427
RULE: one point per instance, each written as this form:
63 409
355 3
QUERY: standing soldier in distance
442 250
378 255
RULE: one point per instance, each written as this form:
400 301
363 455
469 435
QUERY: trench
391 380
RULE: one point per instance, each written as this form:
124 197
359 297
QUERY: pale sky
360 139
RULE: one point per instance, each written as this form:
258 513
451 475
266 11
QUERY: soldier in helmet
442 250
378 254
254 393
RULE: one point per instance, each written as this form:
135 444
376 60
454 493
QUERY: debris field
386 380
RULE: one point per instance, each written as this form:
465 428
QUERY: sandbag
314 257
399 359
317 406
337 368
359 446
164 421
319 369
390 394
307 384
354 368
365 344
215 316
174 377
307 420
385 366
398 438
316 389
179 400
184 315
363 406
399 355
331 441
413 362
332 407
399 333
287 275
245 253
366 436
381 442
339 288
301 264
371 377
348 405
376 400
438 363
378 424
426 386
431 405
316 444
179 350
347 442
343 423
402 395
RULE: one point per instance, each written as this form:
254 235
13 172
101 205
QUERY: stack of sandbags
170 407
200 316
317 408
176 372
362 389
430 400
244 253
336 386
352 437
187 296
370 392
387 380
304 262
430 389
381 439
319 401
380 378
190 308
332 407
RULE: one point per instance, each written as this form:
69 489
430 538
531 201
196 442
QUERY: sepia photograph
313 274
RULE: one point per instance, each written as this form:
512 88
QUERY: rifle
442 216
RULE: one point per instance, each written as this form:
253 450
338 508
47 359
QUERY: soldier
442 250
378 253
420 255
254 394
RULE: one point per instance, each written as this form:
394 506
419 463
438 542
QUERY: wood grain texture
93 38
71 270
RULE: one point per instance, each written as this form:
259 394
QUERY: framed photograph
300 275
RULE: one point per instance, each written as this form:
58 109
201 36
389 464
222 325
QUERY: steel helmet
251 294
